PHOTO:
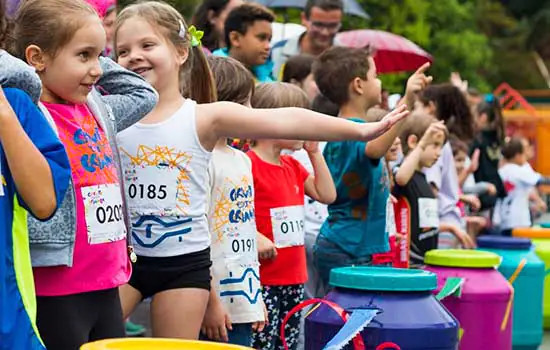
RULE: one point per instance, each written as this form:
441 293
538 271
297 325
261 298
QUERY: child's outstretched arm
35 156
17 74
226 119
376 149
320 185
130 97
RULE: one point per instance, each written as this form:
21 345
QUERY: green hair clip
196 36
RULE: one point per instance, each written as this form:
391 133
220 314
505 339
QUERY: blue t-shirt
357 219
17 298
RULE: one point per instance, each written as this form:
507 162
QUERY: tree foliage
487 41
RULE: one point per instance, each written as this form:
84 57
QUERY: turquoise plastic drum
519 259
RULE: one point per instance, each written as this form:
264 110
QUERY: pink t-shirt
100 258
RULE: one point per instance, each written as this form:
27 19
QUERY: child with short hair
417 216
297 71
236 307
519 181
356 227
247 36
280 183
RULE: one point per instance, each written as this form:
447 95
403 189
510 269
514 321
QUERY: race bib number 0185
153 190
288 226
104 213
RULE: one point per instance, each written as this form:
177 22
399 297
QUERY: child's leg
241 334
68 322
178 313
267 339
129 299
110 323
290 297
65 322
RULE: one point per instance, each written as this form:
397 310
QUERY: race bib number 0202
104 213
288 226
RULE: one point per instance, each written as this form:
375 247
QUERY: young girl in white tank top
166 156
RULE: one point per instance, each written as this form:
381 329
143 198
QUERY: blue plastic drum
410 316
519 260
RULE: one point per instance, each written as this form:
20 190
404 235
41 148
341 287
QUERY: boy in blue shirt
247 36
356 226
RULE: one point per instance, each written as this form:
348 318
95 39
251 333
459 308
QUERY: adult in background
322 19
210 17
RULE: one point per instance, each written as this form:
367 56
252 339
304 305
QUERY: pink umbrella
394 53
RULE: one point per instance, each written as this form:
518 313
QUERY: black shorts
152 275
68 322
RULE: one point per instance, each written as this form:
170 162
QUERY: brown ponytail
200 82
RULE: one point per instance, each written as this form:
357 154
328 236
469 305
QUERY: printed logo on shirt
242 285
509 186
89 150
94 156
233 207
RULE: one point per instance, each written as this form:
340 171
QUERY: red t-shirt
280 215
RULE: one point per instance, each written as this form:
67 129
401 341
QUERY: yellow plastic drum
157 344
541 239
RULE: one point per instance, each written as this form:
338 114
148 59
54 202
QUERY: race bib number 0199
288 226
104 213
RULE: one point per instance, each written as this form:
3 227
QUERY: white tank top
165 176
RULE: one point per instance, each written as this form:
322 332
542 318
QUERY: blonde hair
171 25
48 24
279 95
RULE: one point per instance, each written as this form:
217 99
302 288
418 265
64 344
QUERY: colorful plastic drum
525 271
541 239
410 317
157 344
484 304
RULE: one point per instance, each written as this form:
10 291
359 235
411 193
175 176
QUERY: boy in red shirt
280 182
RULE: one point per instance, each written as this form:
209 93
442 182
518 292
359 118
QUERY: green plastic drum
541 239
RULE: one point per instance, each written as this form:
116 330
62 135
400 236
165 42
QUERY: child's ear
234 39
183 55
36 58
412 141
356 86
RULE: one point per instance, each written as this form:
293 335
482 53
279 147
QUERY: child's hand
216 322
266 248
434 131
417 82
370 131
457 81
474 161
260 325
472 201
311 146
